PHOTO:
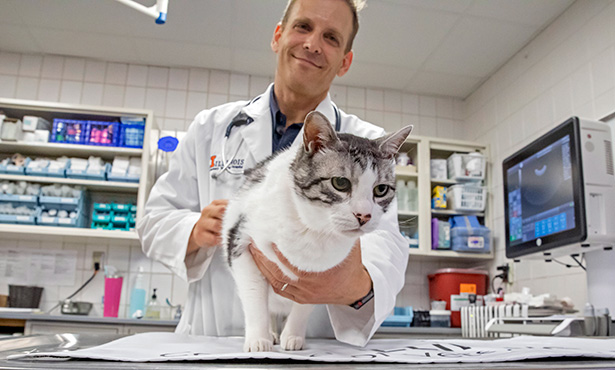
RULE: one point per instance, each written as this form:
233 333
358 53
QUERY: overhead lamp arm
157 11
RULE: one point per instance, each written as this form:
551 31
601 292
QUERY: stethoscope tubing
239 122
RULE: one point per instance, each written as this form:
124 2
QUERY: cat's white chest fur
279 221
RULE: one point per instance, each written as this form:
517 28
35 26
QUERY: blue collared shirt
283 137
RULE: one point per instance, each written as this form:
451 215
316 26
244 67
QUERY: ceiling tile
454 6
17 38
443 84
253 22
83 44
477 46
536 13
168 53
404 41
376 75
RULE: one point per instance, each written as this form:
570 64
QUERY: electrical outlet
98 257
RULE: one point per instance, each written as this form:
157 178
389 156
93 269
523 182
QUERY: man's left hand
343 284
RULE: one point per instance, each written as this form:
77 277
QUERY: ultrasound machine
559 197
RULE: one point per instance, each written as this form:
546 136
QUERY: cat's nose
362 218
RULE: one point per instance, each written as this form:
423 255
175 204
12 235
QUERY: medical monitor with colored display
543 193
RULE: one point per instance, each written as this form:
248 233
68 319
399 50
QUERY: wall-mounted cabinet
417 223
105 190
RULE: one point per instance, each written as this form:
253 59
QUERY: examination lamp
158 11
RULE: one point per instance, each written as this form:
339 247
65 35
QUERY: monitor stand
601 279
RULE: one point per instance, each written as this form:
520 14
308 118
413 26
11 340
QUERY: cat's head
344 183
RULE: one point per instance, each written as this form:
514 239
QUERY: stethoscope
242 119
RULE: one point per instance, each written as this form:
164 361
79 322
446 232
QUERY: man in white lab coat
183 215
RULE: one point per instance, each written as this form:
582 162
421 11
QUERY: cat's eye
381 190
340 183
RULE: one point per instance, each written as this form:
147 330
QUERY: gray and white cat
313 202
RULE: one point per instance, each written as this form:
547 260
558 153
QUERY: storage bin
468 235
21 219
131 135
440 318
14 169
21 296
122 178
466 167
466 197
69 131
103 133
475 239
450 281
48 171
402 317
69 204
100 175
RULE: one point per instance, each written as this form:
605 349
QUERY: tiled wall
569 69
176 95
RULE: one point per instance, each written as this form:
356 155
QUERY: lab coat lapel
257 135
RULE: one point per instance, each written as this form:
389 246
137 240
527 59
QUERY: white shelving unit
422 150
18 108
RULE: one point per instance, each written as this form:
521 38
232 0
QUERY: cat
313 201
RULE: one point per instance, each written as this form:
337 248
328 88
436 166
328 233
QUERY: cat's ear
317 132
391 143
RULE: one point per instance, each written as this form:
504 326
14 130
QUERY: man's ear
346 62
276 36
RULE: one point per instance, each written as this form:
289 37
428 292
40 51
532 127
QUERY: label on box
467 288
476 242
462 300
64 220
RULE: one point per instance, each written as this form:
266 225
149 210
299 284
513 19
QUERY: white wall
176 95
569 69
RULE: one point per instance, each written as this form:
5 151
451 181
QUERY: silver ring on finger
284 287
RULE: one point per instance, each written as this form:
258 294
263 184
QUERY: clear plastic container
466 197
440 318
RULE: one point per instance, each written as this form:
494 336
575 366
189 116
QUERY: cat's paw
276 337
258 345
291 342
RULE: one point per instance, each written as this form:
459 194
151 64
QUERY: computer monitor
559 199
559 192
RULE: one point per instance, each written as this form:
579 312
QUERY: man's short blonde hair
355 8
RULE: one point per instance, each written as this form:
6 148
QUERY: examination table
66 342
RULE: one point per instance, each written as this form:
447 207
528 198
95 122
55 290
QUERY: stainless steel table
59 342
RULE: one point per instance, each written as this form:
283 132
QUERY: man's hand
206 231
343 284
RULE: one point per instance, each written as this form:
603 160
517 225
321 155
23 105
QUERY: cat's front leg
293 335
253 289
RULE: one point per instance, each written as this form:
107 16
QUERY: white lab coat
178 196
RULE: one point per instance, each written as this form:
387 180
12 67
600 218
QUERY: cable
96 269
493 281
580 263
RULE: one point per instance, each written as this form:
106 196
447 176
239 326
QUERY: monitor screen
543 193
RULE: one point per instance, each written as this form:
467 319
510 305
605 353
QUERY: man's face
311 46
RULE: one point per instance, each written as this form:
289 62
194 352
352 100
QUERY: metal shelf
109 186
57 149
46 233
450 212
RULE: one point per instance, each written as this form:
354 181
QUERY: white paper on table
160 347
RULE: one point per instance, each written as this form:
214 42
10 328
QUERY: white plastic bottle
412 196
402 195
138 296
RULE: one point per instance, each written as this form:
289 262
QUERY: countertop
389 332
84 319
44 343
